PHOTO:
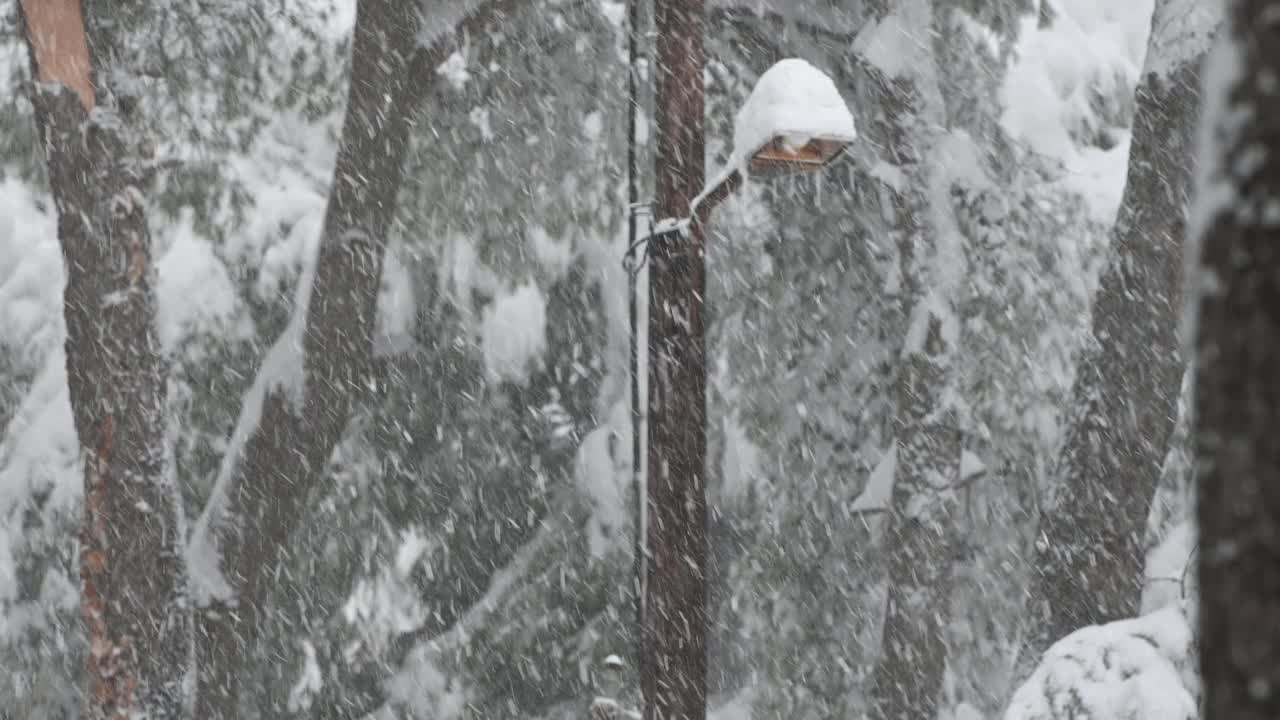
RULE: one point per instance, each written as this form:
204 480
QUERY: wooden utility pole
1236 281
674 675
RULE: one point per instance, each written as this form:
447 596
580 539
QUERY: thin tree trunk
1236 245
1089 558
133 592
287 452
674 670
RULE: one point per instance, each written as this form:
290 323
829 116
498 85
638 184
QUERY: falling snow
892 346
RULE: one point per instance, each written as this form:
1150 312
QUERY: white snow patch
283 370
894 43
970 465
1093 47
420 685
397 310
1137 669
552 254
1182 30
429 692
737 707
194 291
741 464
412 547
877 496
615 12
964 711
31 275
286 175
891 175
454 69
40 448
795 100
309 682
513 333
479 116
593 125
8 574
384 607
601 474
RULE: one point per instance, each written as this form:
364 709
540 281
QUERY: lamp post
794 120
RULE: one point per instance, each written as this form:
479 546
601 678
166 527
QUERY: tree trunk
674 671
918 543
1236 245
252 515
923 542
133 592
1089 558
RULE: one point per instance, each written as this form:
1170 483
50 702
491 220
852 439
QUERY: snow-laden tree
813 322
1090 547
467 543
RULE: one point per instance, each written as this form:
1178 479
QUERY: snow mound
1135 669
601 471
31 276
194 290
514 333
1093 50
39 449
793 99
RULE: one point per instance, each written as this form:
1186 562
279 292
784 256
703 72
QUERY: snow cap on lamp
794 119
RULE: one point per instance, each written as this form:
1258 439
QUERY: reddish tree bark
133 581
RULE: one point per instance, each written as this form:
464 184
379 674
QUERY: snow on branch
1182 31
877 496
282 373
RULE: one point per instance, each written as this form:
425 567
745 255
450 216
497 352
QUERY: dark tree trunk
1237 393
674 671
919 544
287 453
133 592
1089 557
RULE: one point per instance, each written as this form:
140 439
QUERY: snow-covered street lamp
794 121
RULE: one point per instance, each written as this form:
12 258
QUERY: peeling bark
59 46
133 581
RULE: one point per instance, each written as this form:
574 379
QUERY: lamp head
794 120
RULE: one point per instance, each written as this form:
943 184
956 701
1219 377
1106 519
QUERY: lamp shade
794 120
